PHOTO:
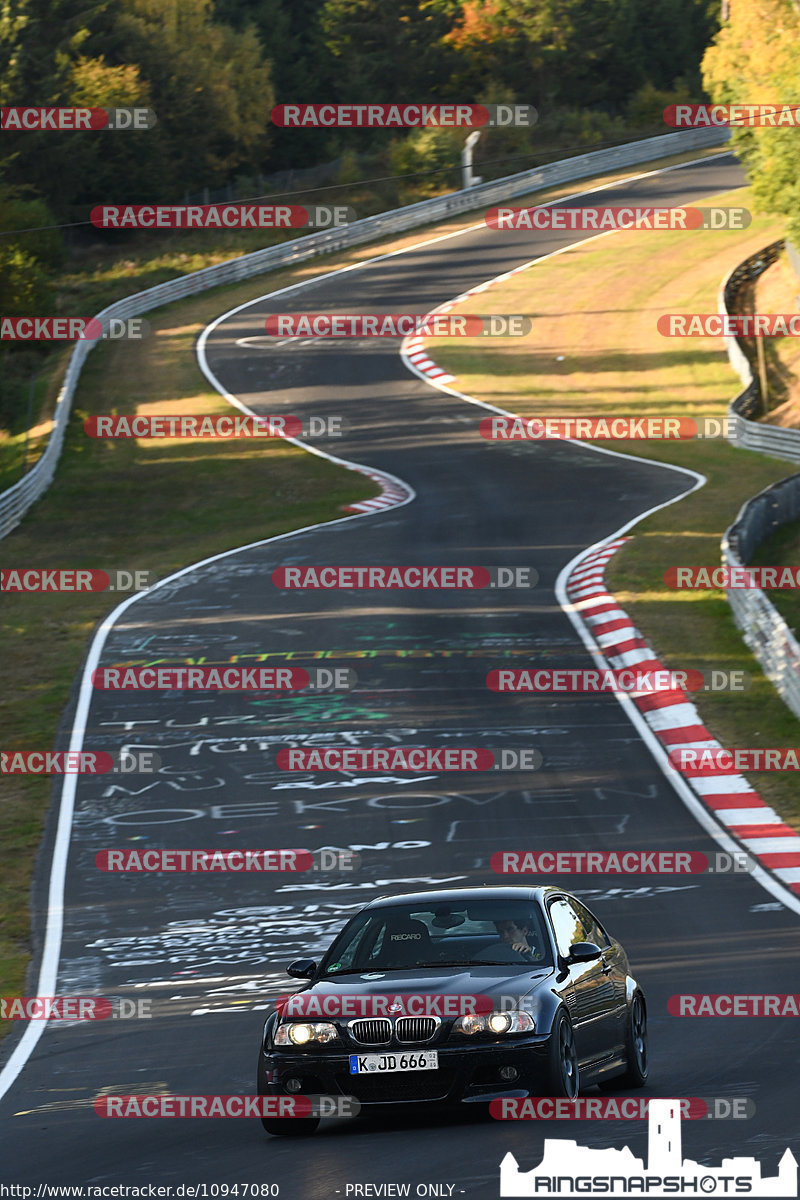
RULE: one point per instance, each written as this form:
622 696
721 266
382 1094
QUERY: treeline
755 59
213 70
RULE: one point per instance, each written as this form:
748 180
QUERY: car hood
484 980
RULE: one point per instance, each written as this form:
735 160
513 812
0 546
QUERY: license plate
368 1064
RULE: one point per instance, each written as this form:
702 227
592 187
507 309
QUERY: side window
594 930
567 926
373 944
347 956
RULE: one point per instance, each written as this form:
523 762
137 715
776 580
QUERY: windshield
477 932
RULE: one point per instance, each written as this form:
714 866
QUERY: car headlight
300 1033
513 1021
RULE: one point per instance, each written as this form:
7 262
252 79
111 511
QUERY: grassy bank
594 350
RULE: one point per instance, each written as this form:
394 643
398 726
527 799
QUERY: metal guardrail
763 628
16 501
745 433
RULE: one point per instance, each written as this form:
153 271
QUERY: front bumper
465 1074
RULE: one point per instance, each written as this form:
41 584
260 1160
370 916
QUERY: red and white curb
393 492
413 349
415 352
675 722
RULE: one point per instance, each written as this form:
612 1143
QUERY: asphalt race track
207 951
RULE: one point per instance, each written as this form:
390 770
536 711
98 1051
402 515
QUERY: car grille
415 1029
376 1032
415 1085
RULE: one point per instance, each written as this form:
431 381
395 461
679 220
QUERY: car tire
562 1059
636 1045
635 1073
290 1126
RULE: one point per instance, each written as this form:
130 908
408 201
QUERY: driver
514 935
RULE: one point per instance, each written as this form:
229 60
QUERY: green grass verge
594 351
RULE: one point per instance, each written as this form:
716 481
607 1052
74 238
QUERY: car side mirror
584 952
302 968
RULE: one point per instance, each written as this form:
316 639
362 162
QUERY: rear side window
567 926
594 930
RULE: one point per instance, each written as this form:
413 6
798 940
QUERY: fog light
293 1085
509 1073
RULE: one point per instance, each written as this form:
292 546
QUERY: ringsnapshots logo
375 578
219 426
570 1170
747 116
396 325
403 116
72 579
27 120
220 216
633 680
224 679
605 219
79 762
72 329
409 758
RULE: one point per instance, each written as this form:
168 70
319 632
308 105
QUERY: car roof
467 895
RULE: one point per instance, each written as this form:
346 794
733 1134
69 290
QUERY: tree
755 59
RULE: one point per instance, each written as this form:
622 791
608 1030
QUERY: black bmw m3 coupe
458 996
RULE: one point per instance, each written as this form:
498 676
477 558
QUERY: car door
615 969
589 993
